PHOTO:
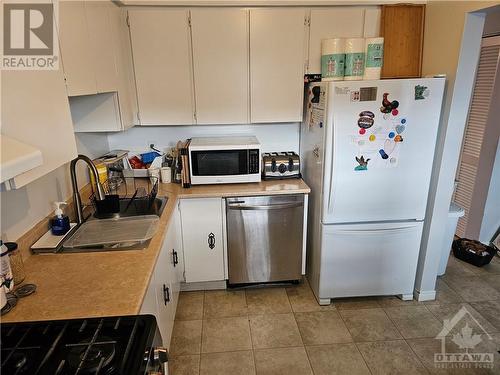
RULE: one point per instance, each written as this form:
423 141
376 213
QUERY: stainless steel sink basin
138 207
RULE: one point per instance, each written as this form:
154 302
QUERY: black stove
106 346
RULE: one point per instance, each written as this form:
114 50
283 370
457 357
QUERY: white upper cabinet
220 59
97 61
35 111
277 57
339 22
101 40
75 48
162 62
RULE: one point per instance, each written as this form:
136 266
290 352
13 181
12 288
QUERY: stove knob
290 164
282 168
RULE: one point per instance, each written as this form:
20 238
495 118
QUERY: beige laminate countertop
93 284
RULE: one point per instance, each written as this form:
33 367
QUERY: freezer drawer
264 238
369 259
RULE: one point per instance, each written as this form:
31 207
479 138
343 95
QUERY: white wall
273 137
452 41
491 216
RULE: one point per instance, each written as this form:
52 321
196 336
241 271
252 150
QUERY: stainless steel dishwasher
264 236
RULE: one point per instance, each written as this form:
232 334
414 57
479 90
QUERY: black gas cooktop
112 345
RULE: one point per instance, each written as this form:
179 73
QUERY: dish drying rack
139 192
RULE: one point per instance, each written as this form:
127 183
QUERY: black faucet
99 191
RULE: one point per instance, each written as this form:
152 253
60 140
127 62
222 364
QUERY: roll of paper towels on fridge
374 57
332 59
354 59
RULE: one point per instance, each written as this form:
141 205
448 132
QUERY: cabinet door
102 46
277 56
220 58
127 94
162 275
402 27
336 22
76 49
162 62
175 258
202 239
35 110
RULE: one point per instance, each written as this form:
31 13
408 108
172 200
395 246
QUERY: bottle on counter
60 222
16 262
5 269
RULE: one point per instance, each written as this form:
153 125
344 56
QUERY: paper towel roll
354 59
374 54
332 59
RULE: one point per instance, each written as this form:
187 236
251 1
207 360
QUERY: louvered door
474 173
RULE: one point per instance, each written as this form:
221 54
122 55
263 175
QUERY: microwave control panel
253 161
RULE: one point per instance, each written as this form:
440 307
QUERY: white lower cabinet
163 291
202 238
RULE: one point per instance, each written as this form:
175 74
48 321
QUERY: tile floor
283 331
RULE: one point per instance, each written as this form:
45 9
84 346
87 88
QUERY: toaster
279 165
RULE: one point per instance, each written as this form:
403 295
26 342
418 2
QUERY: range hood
16 157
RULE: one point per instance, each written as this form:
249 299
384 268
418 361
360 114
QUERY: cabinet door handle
211 241
166 294
175 257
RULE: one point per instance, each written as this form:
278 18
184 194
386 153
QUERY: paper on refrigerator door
316 106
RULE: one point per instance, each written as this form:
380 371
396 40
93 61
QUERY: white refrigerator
367 150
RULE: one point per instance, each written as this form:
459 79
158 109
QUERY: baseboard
426 295
204 285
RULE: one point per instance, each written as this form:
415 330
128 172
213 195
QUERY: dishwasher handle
280 206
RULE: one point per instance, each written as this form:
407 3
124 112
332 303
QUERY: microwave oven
224 160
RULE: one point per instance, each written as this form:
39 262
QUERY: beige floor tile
390 357
224 303
190 306
302 299
442 312
394 301
184 365
425 349
336 359
369 325
225 334
472 288
492 280
274 331
444 294
229 363
282 361
186 337
357 303
267 301
457 268
322 327
490 310
414 321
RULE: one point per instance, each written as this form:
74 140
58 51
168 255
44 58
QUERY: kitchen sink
138 207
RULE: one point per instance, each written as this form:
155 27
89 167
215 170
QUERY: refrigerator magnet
363 164
383 154
421 92
400 129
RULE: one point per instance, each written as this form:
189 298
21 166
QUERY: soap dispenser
60 222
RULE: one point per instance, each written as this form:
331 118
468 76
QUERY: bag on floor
473 252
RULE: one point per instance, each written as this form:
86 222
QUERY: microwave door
219 162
